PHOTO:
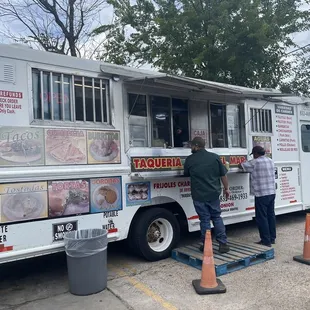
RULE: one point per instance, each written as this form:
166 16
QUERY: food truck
86 144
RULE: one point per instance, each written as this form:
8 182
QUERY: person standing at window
263 188
180 137
206 172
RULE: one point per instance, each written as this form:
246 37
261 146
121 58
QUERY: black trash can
87 260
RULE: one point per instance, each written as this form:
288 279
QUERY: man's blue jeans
211 211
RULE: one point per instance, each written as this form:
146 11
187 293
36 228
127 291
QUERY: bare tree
60 26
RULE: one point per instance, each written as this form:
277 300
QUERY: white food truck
86 144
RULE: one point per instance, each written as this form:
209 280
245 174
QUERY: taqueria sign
174 163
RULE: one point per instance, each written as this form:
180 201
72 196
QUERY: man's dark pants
211 211
265 218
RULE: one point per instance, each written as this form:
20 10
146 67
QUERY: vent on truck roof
7 72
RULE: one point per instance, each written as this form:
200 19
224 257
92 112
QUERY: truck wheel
154 234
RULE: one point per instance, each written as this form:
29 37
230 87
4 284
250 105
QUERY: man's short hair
198 141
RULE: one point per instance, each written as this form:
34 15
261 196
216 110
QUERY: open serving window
165 114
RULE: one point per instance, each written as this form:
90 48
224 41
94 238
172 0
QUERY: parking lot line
143 288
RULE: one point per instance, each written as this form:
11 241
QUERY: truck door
305 161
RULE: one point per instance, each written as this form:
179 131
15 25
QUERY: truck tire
154 234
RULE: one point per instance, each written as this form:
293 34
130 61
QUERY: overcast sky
106 17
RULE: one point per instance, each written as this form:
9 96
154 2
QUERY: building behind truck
86 144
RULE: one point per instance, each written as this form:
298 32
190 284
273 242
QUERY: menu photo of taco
67 199
21 151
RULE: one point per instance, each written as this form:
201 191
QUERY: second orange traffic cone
305 258
208 284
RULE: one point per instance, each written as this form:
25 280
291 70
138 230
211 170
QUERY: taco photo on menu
26 151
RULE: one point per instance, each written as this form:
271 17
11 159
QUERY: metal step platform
240 256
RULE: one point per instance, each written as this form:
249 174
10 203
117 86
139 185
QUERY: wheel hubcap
160 235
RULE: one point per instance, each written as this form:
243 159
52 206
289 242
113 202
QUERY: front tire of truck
154 234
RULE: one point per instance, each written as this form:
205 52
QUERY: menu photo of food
103 147
264 142
65 147
68 197
21 146
106 194
23 201
138 193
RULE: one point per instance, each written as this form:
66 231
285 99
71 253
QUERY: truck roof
23 52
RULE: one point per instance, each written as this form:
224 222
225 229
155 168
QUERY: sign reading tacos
21 146
170 163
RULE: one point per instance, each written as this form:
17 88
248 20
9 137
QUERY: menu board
23 201
21 146
288 188
106 194
138 193
286 143
68 197
65 147
103 147
264 142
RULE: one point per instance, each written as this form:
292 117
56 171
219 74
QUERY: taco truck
86 144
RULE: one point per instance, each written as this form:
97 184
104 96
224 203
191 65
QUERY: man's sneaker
224 248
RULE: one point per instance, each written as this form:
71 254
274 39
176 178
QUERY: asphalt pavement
281 283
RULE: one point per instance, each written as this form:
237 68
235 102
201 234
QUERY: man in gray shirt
263 188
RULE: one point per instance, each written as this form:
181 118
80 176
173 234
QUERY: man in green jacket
206 172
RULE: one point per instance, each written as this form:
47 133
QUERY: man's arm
225 182
247 166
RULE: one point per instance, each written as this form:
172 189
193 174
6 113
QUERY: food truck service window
225 125
62 97
165 118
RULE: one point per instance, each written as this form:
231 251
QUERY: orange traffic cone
305 258
208 284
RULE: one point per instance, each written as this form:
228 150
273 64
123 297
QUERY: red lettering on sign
136 162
